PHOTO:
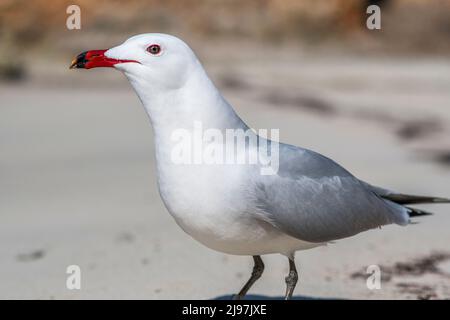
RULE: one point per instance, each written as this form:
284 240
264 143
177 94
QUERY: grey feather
314 199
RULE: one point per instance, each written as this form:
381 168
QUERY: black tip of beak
79 62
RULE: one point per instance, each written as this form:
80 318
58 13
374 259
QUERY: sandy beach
78 179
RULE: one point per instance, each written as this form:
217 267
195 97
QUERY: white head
161 59
166 75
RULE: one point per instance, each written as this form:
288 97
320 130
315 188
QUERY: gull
308 201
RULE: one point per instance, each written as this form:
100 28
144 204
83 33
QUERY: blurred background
77 180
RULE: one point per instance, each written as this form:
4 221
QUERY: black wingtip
414 212
441 200
413 199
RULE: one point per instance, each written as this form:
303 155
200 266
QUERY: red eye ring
154 49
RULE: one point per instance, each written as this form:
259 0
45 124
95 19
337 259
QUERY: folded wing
314 199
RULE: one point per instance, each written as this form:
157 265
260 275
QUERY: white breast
212 203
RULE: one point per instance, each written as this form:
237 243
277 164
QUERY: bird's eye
154 49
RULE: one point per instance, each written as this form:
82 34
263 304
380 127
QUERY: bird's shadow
263 297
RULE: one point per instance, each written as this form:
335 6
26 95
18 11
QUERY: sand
78 182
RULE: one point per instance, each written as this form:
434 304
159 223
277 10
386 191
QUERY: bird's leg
258 269
291 279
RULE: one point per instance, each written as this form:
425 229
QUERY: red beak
95 59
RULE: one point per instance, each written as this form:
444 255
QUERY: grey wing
314 199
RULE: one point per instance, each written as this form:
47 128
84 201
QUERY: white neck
196 100
170 109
